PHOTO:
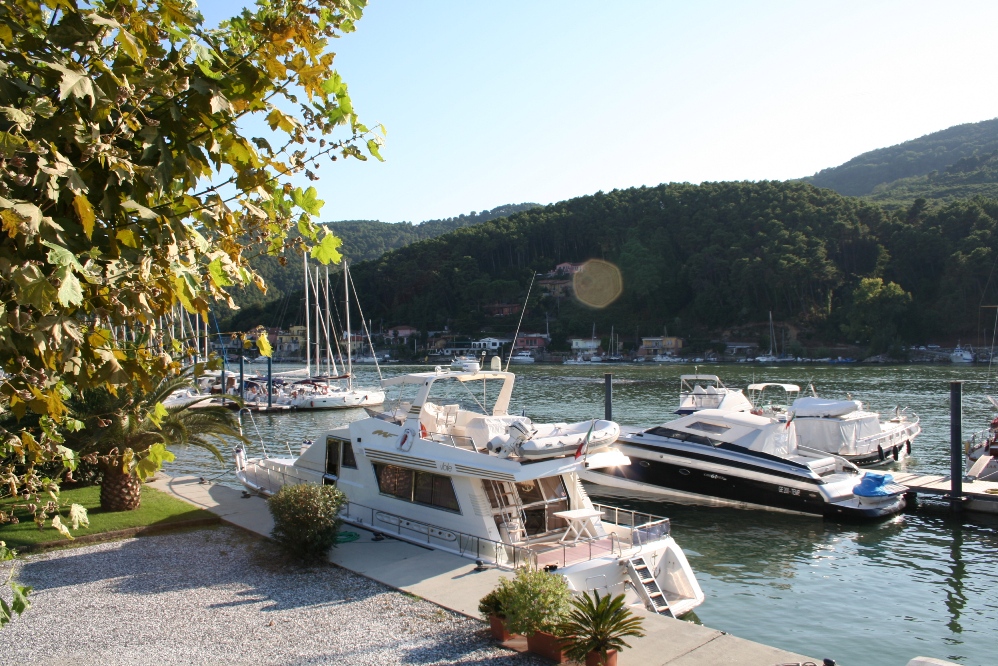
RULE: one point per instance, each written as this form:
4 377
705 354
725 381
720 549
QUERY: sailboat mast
308 335
330 332
346 306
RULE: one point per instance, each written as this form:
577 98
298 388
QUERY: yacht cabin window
417 487
715 428
348 458
662 431
333 455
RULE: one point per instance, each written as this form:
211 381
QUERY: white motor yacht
465 363
522 356
961 355
840 427
698 392
734 458
442 468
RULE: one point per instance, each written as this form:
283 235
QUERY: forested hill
706 259
362 240
369 239
918 159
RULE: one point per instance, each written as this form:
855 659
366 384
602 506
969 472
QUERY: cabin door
333 450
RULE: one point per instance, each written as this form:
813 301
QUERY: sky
489 103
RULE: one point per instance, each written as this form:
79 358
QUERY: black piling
955 496
242 376
608 396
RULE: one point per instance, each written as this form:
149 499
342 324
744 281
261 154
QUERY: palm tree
128 434
597 626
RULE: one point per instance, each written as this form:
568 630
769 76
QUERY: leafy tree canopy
129 187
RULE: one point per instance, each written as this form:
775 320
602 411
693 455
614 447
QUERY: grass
156 509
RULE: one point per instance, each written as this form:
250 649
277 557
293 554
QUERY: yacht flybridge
722 457
442 469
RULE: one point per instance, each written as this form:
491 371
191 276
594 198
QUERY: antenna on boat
522 312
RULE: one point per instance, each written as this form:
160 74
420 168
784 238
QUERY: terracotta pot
498 626
593 659
547 645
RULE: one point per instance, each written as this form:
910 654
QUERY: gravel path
221 596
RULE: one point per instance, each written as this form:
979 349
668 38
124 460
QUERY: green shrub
306 519
534 601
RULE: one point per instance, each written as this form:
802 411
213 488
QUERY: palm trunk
119 492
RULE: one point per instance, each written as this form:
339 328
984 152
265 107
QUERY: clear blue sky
488 103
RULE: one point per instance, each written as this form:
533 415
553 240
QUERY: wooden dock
980 495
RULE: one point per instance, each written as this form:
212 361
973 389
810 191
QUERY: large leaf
85 213
328 250
35 289
263 344
152 461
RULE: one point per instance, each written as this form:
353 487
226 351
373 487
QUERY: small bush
534 601
306 519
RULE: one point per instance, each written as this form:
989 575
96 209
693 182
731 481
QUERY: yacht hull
735 484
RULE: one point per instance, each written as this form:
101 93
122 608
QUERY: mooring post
270 382
955 496
242 375
608 396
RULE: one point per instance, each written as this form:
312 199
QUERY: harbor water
921 583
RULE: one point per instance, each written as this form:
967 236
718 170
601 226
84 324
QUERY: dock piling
270 382
608 396
955 496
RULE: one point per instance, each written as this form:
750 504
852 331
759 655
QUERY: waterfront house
660 346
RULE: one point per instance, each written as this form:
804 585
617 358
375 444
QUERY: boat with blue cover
721 457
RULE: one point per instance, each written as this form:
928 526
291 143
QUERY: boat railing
644 527
456 441
502 555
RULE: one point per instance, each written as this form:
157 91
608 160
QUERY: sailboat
328 392
771 357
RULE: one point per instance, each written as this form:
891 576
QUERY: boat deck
980 495
569 552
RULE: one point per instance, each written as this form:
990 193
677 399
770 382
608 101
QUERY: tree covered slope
917 159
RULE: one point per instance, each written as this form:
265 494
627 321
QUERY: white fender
405 440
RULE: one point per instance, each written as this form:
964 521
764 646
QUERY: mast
346 306
330 332
308 336
318 326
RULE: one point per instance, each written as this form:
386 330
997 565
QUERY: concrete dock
452 582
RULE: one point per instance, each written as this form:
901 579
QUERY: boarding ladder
510 509
647 587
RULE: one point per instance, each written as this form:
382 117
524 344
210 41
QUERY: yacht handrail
520 556
648 518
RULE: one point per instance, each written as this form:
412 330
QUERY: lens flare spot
598 284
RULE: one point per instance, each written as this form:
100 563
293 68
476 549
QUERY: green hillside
362 240
969 177
706 259
915 159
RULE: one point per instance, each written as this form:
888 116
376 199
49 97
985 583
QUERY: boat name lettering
716 477
382 433
446 467
789 491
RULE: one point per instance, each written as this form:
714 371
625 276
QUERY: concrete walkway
452 582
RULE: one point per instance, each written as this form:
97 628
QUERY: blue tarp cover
873 485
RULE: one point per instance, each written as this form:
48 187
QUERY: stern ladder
647 587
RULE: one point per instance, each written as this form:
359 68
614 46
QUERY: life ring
422 431
404 442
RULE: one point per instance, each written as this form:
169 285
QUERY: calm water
869 594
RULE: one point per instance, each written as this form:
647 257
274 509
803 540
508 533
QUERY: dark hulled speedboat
734 458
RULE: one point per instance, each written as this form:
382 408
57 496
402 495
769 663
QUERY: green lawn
157 508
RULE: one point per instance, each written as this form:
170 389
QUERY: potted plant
535 602
492 608
595 628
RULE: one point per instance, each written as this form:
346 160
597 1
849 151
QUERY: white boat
982 451
698 392
432 471
665 358
465 363
962 355
731 458
336 392
522 356
840 427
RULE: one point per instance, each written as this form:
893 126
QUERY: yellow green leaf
263 344
327 251
127 237
85 212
